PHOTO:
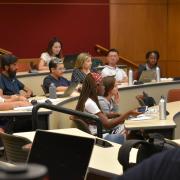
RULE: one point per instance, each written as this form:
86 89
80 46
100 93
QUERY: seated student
111 69
56 68
110 100
9 84
53 51
82 67
88 102
152 58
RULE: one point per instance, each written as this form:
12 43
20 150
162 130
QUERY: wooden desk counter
128 93
22 115
127 100
60 120
103 160
156 124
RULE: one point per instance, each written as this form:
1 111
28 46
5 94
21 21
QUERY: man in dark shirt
9 84
164 165
11 87
56 68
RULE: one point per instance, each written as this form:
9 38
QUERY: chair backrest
80 124
13 148
173 95
176 119
81 115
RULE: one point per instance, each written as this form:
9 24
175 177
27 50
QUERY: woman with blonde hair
82 68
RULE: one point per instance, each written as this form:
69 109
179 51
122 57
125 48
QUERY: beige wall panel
174 31
173 69
138 26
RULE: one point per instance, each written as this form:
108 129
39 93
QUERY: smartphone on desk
142 109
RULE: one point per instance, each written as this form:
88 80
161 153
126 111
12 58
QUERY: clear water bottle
158 78
162 108
52 91
130 74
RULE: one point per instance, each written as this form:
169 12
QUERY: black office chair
82 117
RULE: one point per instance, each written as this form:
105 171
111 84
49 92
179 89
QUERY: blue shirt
10 86
61 81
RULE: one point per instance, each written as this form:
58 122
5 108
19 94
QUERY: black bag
146 148
146 100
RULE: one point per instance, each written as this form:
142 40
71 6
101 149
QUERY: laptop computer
69 61
68 91
147 76
65 156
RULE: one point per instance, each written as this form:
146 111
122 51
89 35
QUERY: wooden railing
3 51
103 51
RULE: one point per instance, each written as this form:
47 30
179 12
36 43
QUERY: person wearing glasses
56 68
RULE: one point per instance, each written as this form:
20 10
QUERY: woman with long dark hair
88 102
53 51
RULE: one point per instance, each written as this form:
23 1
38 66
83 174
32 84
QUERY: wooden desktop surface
155 123
103 160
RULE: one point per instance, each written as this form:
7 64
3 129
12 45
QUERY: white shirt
92 108
111 71
46 57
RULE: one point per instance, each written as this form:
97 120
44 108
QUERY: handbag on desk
146 148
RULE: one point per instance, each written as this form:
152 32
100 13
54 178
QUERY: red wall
26 28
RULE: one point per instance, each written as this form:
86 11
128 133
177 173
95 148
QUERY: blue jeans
117 138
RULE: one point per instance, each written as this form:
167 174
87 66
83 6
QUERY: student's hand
25 94
18 98
22 98
116 96
28 94
134 112
23 103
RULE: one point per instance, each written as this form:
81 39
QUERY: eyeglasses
60 69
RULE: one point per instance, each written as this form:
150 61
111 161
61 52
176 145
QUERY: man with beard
9 84
13 93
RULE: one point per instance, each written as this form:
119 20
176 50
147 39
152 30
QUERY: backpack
146 148
146 100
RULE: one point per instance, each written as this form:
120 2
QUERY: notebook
147 76
65 156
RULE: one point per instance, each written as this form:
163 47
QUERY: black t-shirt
164 165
